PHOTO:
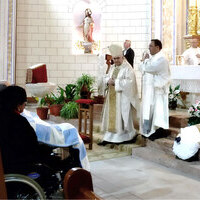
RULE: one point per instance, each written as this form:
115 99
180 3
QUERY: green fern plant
86 81
59 98
70 91
69 110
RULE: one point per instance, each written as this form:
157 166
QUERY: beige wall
44 35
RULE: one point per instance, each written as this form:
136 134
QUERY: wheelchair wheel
22 187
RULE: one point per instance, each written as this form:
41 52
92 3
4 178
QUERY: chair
86 113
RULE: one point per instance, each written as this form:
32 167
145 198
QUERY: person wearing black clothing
18 141
21 152
128 52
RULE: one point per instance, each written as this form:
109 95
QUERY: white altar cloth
187 76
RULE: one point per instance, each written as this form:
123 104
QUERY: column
192 17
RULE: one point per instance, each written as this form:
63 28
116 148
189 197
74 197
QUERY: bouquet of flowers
174 95
194 111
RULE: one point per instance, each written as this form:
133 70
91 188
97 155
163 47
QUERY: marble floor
135 178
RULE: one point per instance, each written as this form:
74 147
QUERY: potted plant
42 110
69 110
58 101
84 86
194 112
70 92
174 95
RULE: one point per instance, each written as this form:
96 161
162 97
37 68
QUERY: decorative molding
7 40
4 39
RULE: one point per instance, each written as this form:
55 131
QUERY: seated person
20 149
192 55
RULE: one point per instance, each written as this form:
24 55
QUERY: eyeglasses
116 58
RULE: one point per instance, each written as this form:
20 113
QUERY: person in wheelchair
21 152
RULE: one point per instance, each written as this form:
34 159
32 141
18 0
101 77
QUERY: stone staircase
160 150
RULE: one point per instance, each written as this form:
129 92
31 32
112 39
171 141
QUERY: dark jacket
18 142
130 56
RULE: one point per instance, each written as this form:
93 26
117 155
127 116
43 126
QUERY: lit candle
192 3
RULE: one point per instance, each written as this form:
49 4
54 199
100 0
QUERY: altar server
155 87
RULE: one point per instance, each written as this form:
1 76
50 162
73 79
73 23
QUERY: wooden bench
3 193
78 185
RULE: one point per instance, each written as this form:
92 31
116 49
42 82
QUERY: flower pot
55 109
42 112
67 100
99 99
172 105
85 93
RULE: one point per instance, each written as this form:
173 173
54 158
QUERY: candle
192 3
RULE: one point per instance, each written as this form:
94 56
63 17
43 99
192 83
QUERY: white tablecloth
187 76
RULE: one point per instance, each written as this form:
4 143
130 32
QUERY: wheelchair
22 187
42 183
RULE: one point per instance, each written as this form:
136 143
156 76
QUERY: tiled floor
134 178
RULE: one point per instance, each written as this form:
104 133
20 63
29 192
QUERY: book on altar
37 74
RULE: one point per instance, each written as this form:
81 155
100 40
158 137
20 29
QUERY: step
163 144
160 157
173 132
178 121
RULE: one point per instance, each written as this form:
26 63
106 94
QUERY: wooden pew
78 185
3 193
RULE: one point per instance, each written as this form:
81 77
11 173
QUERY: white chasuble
117 122
155 88
190 57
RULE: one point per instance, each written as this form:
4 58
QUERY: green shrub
70 91
69 110
85 80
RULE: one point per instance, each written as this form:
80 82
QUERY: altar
188 76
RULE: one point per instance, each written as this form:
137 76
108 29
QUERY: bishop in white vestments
155 87
122 101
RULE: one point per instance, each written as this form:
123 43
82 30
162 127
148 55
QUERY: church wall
44 35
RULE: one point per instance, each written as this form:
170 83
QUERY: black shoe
103 143
159 133
129 141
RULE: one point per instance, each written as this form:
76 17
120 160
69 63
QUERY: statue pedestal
87 47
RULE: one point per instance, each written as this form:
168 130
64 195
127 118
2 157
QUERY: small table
86 113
